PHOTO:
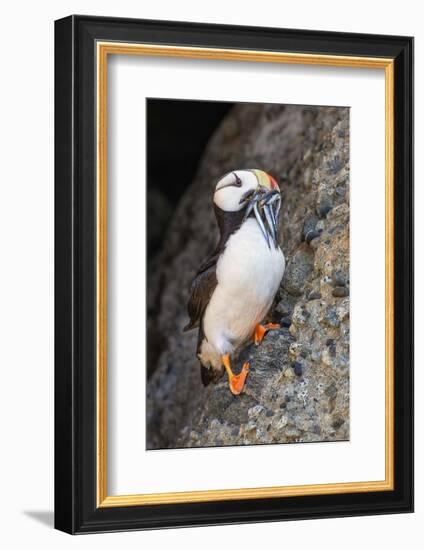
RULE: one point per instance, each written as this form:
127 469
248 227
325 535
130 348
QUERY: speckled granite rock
298 386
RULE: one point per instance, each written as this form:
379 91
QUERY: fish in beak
265 203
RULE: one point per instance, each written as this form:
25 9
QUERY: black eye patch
238 180
237 183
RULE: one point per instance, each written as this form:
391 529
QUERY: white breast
249 274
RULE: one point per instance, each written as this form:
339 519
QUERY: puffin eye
238 182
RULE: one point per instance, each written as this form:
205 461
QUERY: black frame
75 275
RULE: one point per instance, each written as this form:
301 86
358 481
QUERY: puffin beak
268 201
265 204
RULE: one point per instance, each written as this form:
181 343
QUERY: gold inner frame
103 50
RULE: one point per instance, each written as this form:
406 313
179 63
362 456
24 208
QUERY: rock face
298 386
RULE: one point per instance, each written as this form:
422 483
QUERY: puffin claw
236 381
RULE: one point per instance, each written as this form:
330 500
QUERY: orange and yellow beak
266 181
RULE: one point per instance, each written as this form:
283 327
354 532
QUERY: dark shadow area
177 134
46 517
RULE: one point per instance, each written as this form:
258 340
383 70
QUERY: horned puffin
234 288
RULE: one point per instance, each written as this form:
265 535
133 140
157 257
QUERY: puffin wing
202 288
205 280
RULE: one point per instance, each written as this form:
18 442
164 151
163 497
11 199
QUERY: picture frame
83 45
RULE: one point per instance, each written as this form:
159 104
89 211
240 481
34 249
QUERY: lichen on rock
298 385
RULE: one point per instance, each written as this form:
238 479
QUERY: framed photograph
234 268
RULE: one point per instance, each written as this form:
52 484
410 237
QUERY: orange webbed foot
261 330
236 381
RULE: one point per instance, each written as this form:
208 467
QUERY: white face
258 193
232 187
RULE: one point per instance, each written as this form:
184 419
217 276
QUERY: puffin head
255 192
